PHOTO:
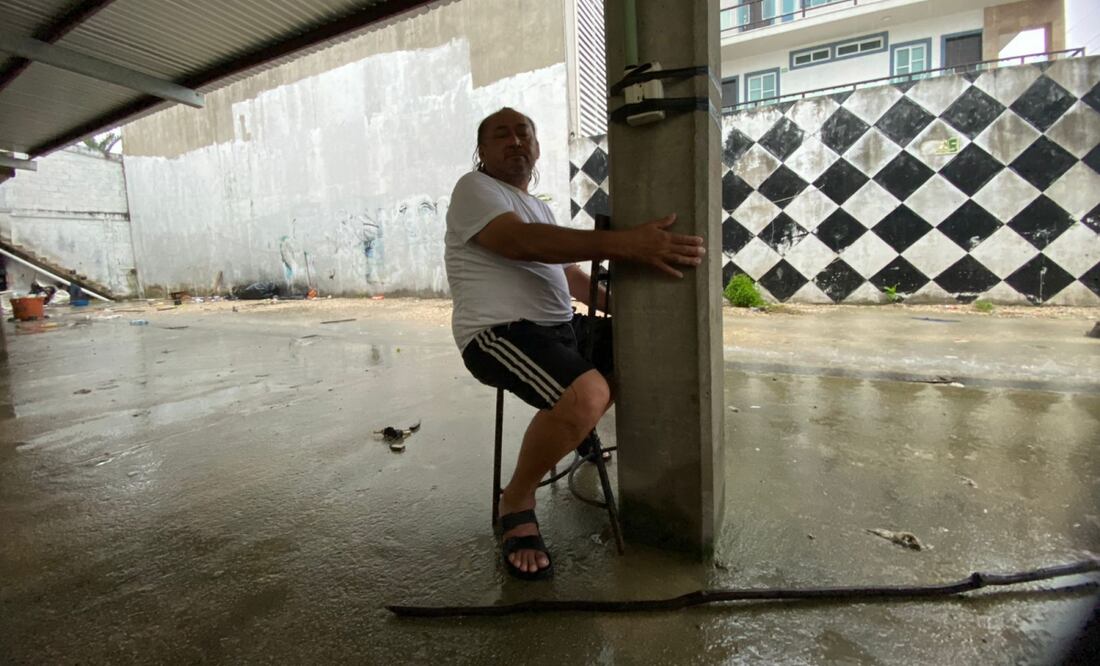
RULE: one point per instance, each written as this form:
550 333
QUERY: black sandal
530 542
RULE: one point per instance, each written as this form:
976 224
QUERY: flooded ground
208 487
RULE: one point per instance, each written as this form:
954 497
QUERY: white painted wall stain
351 168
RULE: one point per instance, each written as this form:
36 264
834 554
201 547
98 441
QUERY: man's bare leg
552 434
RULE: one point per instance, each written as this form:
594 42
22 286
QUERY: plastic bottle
139 322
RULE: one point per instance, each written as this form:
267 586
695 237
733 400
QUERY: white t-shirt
487 288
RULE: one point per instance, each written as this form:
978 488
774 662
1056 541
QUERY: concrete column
668 332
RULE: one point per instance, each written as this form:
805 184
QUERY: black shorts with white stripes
536 362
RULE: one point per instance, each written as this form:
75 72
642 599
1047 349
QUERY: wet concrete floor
207 489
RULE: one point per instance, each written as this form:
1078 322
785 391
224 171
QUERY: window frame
731 12
979 32
832 48
788 14
810 52
736 81
926 43
859 41
763 72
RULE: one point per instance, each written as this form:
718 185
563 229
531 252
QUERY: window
810 57
743 14
768 9
729 92
761 85
734 16
727 16
909 58
789 8
962 49
851 48
859 46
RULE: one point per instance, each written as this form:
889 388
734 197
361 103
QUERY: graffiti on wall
363 236
377 250
391 248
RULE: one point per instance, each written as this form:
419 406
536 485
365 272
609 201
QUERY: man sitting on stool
511 273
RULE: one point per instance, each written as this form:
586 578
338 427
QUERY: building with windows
775 49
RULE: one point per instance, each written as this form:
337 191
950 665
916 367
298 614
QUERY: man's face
508 147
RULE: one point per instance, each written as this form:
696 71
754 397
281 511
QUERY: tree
104 143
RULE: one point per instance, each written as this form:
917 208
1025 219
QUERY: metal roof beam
379 11
53 31
56 56
10 162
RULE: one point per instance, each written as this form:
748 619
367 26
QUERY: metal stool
590 450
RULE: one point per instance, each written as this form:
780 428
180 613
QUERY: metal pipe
51 275
631 34
16 163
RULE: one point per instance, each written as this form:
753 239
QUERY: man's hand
651 244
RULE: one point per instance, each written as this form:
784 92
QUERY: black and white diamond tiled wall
588 174
953 188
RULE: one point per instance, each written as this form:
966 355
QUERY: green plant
892 294
983 306
741 292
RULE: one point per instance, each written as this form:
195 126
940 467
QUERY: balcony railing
979 66
756 14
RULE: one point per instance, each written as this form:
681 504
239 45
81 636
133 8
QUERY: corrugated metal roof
200 44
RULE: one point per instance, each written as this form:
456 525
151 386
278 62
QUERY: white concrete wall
72 211
860 68
352 167
1083 25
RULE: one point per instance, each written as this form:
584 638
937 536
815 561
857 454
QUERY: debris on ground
82 391
396 436
938 379
256 291
1095 332
936 320
337 321
906 539
946 381
968 481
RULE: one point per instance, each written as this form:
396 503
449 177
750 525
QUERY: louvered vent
591 68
